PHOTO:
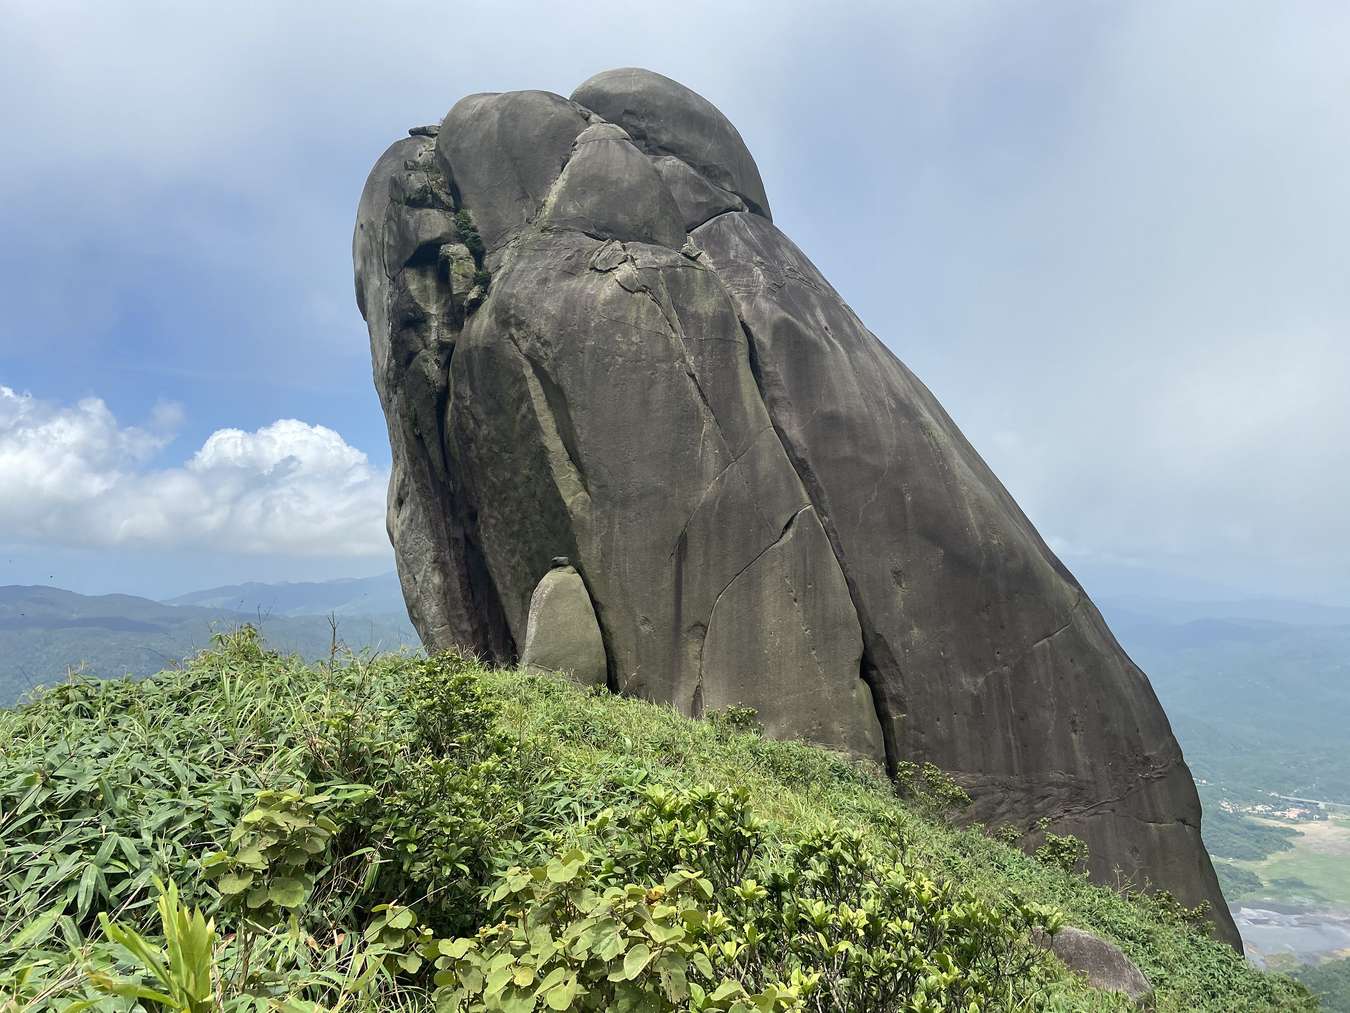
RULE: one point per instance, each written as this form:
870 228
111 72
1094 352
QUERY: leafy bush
930 788
681 903
744 720
1064 851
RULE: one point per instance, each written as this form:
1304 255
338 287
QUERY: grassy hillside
386 834
1330 982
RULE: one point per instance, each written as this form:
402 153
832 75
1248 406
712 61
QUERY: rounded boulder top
663 117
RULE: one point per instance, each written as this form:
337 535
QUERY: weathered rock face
767 508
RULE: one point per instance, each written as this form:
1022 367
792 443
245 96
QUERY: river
1309 935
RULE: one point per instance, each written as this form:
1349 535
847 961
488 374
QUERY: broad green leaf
635 960
287 892
235 882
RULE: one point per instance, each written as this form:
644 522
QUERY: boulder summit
616 392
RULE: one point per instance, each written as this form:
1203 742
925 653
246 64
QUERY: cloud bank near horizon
76 478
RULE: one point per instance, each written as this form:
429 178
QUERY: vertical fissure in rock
494 634
870 670
611 669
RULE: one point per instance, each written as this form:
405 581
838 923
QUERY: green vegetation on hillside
1330 982
1232 835
252 832
1238 883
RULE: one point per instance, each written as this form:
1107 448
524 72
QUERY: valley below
1258 694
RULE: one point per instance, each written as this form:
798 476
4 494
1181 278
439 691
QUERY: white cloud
73 476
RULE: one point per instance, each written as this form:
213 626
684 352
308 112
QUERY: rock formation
561 632
1103 964
591 341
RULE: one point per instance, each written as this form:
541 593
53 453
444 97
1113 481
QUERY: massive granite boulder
591 341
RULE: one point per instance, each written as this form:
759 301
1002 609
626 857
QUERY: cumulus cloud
76 477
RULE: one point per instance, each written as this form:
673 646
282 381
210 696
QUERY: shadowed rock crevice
881 680
766 507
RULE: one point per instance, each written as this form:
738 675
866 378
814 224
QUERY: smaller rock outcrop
561 631
1101 963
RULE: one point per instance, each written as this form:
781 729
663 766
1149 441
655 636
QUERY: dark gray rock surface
666 118
1103 964
561 631
766 507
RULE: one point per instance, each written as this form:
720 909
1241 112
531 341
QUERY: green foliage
744 720
383 812
1330 982
275 853
468 234
1064 851
1232 835
660 915
182 972
1166 908
931 789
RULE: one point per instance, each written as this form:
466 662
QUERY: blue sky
1111 237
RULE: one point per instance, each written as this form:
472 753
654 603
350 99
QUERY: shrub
468 234
743 720
1064 851
932 789
681 903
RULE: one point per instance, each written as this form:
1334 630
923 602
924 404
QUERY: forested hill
47 632
1258 692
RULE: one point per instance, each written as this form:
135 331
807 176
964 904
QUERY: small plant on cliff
736 719
932 789
468 234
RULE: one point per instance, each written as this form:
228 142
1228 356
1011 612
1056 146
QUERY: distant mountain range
1258 692
46 632
353 596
